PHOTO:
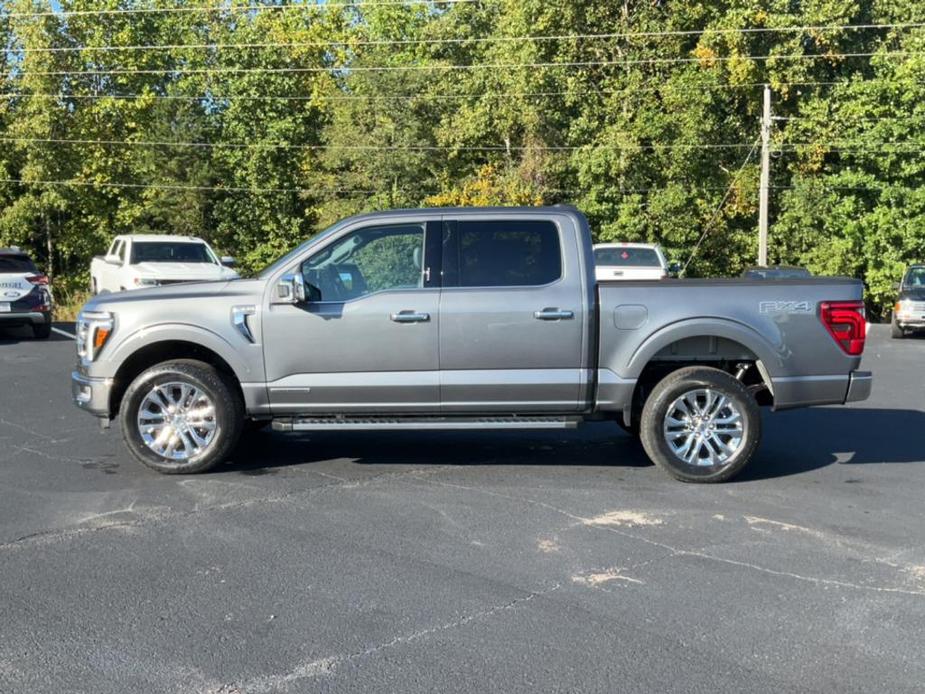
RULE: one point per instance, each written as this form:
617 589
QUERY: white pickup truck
149 260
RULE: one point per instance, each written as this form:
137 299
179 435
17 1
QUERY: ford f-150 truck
478 318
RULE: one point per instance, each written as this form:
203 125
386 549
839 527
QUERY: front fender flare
178 332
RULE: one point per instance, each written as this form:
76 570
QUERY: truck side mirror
290 289
897 285
228 261
113 259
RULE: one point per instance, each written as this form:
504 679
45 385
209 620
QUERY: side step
383 423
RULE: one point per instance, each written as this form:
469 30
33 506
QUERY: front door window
370 260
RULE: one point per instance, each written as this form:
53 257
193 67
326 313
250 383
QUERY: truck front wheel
181 417
700 424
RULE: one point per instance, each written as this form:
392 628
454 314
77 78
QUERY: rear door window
504 253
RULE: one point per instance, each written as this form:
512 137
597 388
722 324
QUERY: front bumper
25 318
91 394
859 385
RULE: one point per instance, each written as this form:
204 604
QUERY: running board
383 423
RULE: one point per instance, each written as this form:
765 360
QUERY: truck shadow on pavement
793 443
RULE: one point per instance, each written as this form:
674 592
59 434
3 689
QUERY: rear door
512 315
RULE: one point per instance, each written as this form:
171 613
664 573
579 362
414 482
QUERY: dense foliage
256 127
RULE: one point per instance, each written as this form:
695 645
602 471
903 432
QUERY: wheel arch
147 355
706 342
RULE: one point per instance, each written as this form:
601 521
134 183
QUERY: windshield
170 252
627 256
295 252
16 263
915 277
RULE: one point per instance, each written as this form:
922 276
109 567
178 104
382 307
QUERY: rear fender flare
771 356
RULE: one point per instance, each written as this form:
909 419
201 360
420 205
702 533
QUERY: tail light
846 323
40 279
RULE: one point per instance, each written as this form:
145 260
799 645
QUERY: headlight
93 331
904 306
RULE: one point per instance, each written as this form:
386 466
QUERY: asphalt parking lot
515 562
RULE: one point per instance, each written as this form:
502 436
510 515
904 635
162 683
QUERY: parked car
909 311
776 272
465 319
631 261
25 297
150 260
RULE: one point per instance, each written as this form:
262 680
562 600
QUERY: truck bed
773 323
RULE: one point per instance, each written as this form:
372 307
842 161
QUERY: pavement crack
152 517
682 552
326 666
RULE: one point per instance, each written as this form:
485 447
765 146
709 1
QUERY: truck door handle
409 317
553 314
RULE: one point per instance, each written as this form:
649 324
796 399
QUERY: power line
364 148
455 96
846 145
722 203
232 9
356 191
473 66
469 40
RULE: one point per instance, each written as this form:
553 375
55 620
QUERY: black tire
896 332
673 387
41 331
228 415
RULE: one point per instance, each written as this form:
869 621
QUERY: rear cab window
627 257
501 253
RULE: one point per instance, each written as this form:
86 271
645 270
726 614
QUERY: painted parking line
63 332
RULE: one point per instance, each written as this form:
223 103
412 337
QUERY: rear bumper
804 391
91 394
25 318
859 386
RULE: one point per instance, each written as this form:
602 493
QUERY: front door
512 320
366 340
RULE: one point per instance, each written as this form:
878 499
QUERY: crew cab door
513 315
365 340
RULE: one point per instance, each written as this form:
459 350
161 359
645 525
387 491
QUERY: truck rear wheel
700 424
181 417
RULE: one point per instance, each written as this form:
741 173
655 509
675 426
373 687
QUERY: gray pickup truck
478 318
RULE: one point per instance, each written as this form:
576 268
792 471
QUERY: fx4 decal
785 307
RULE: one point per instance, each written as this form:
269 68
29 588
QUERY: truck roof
429 212
161 237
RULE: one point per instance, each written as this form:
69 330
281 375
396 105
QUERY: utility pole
765 178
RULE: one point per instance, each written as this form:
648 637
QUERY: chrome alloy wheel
177 420
704 428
